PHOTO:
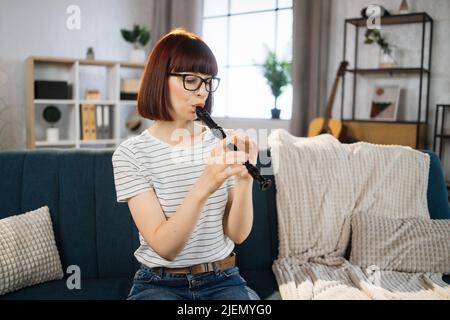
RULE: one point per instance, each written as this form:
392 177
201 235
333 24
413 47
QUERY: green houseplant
278 75
387 54
52 114
138 36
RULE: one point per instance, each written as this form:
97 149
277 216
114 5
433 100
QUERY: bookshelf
411 132
81 75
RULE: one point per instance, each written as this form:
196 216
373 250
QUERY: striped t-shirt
144 162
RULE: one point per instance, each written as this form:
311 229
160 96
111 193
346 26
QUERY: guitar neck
331 101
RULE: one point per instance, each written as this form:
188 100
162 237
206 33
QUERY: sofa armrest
437 195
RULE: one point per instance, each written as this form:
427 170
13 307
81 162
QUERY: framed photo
384 103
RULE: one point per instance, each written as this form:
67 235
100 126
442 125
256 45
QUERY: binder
107 122
89 128
99 124
92 122
85 122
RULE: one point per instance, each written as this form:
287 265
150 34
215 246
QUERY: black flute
204 115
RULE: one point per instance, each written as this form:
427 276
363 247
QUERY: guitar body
316 127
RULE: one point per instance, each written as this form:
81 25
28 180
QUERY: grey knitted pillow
408 245
28 252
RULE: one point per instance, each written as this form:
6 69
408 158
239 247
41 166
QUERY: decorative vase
52 134
404 8
275 113
387 59
137 55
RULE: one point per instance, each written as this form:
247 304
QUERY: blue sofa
96 233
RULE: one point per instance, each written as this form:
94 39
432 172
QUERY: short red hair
177 51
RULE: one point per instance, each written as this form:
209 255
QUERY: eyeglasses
192 82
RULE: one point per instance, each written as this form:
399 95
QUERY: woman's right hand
221 164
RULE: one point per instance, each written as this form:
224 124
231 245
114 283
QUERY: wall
39 28
408 39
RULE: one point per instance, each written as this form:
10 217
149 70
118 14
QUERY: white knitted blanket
320 184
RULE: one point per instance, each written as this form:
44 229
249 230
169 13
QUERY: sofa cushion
28 253
91 289
406 245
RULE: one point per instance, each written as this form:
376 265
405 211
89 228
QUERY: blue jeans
153 284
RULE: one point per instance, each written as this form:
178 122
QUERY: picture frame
384 103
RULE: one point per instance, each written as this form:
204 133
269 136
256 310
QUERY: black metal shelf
388 70
422 71
418 17
440 110
383 121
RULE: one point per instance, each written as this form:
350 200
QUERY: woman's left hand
250 148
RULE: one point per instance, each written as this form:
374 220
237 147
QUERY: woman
189 196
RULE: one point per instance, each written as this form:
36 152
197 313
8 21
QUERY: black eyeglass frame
184 75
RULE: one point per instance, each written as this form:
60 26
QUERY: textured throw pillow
408 245
28 252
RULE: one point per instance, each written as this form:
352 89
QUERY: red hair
177 51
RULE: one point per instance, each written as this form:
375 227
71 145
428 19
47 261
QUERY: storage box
128 96
130 85
44 89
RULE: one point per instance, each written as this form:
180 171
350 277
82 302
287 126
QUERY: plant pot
275 113
52 134
388 60
137 55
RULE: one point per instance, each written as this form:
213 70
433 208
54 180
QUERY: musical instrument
327 124
218 132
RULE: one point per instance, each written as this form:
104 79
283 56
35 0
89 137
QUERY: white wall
39 28
408 38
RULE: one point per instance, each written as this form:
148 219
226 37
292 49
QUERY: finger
245 143
220 147
228 158
226 141
235 157
232 171
229 132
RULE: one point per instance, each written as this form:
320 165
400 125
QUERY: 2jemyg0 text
226 310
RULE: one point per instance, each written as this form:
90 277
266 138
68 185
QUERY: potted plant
139 36
278 75
52 115
386 59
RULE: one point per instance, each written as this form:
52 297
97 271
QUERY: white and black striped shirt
143 163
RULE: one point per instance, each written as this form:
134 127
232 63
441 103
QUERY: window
239 33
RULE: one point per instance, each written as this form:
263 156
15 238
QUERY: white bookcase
81 75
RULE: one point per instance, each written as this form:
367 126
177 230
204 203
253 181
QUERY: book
85 122
89 118
107 122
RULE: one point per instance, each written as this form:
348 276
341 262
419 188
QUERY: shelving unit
410 133
440 133
81 75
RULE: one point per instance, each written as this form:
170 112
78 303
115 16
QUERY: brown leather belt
228 262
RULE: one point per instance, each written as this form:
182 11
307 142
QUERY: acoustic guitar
327 124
